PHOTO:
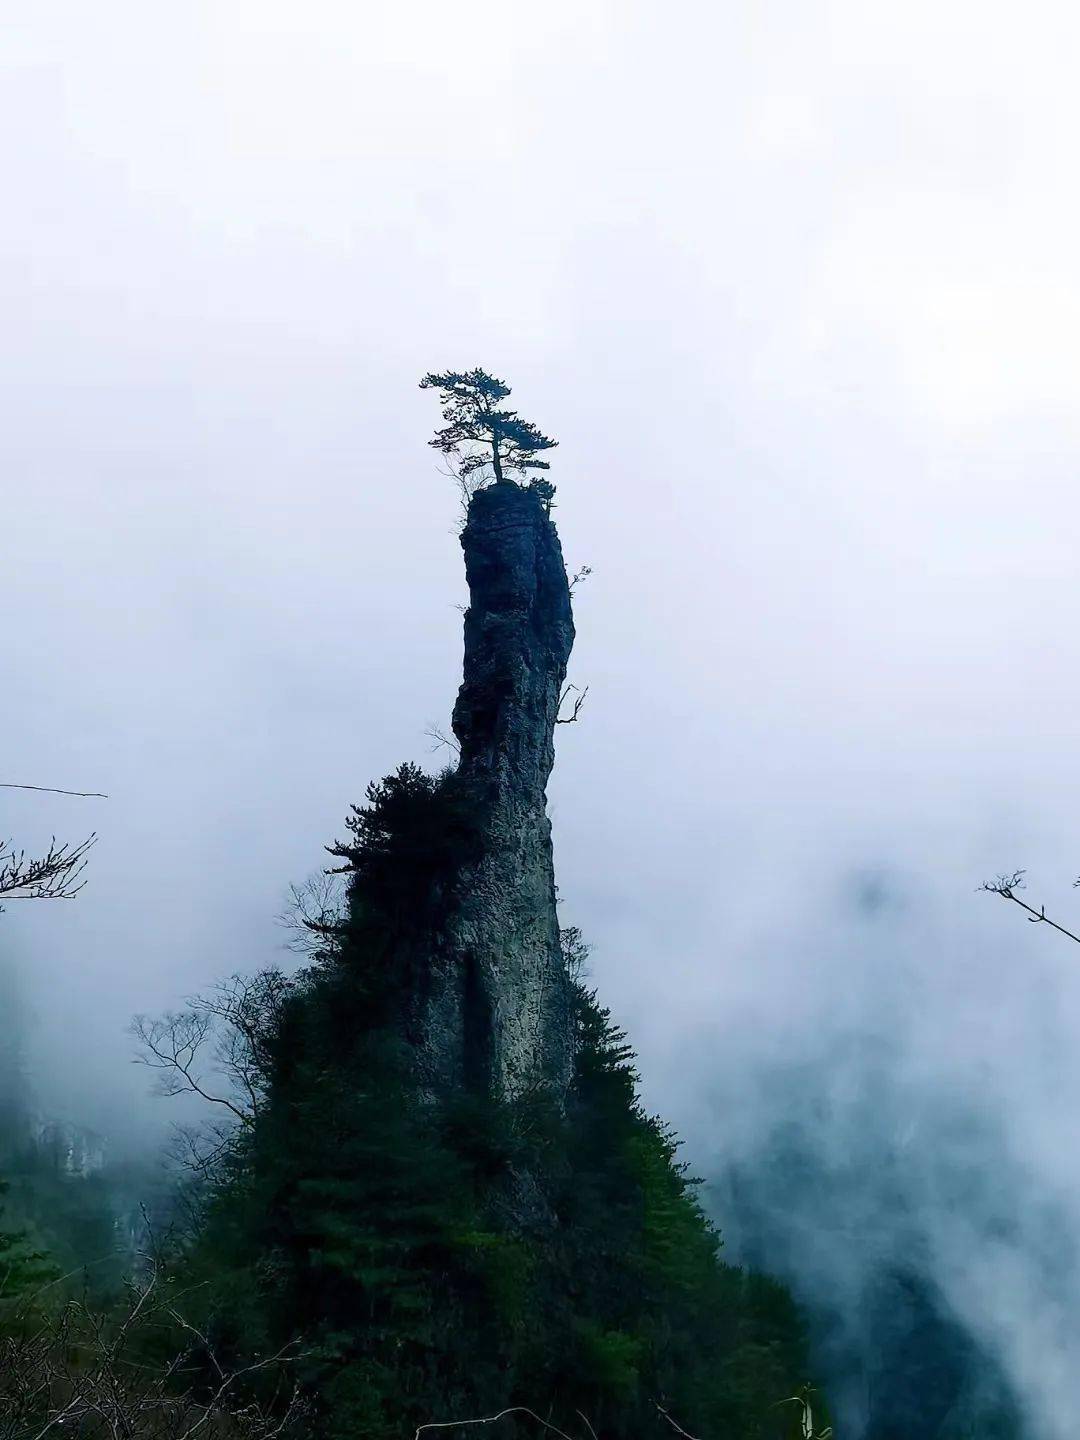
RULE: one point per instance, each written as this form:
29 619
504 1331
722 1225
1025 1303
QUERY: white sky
796 286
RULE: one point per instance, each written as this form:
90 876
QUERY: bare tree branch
227 1034
587 1423
806 1417
172 1044
72 1368
51 790
575 951
579 701
490 1420
56 875
314 914
673 1423
440 739
1007 885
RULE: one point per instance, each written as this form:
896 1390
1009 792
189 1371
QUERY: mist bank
893 1140
873 1069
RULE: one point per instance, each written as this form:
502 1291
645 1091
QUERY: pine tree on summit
478 432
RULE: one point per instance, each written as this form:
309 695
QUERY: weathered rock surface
496 1013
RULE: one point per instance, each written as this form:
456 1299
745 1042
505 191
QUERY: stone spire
497 1009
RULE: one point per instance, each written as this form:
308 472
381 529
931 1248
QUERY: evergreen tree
479 432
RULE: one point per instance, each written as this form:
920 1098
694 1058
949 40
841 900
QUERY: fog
796 288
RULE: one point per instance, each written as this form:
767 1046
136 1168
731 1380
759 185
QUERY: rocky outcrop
496 1013
69 1150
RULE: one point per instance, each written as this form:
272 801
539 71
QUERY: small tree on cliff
478 432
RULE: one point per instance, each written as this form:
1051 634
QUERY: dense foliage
24 1266
445 1259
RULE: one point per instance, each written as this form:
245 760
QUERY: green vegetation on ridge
445 1258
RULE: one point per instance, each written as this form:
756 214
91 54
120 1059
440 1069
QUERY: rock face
71 1151
497 1009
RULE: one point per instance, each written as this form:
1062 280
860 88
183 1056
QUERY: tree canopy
479 432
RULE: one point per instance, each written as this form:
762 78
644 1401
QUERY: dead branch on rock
440 740
579 701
